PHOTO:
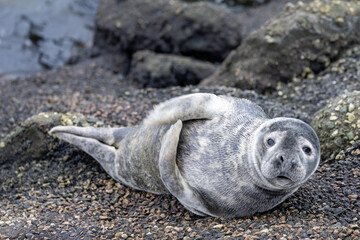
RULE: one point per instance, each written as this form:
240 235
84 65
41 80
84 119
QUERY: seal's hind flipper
109 136
100 143
189 107
171 175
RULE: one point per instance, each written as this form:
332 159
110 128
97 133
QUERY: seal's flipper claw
171 175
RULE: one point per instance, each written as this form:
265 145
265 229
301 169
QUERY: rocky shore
303 63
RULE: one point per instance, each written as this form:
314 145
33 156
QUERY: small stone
335 133
269 39
350 135
29 236
118 24
109 190
353 197
333 118
339 20
354 226
121 235
316 228
68 122
350 117
218 226
351 107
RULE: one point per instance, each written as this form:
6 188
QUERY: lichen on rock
338 124
301 41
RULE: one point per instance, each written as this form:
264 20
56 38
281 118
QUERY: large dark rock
201 30
302 40
149 69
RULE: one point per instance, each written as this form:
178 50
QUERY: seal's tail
100 143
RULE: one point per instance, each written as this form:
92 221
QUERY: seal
219 156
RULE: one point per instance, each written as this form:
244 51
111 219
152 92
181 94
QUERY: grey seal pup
219 156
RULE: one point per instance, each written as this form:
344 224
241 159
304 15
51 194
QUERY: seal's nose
285 163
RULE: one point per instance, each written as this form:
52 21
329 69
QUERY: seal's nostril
281 159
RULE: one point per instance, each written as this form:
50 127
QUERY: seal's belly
139 166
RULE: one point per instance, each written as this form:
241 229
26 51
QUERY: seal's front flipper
100 143
171 175
189 107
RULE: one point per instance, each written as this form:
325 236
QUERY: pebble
353 197
354 226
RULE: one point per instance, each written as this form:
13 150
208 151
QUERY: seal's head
286 152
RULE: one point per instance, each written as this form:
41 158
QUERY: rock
255 17
338 124
200 30
149 69
30 140
312 94
302 40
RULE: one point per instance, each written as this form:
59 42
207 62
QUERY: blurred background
37 35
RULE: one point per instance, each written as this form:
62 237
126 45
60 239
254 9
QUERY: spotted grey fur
210 152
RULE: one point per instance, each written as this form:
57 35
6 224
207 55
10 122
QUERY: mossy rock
298 43
338 124
30 140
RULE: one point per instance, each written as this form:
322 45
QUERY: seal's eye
307 150
270 142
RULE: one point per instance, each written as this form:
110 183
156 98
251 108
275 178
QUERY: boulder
313 93
200 30
338 124
302 40
30 140
149 69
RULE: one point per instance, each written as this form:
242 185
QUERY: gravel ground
66 194
69 196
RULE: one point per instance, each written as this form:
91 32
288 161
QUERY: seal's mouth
283 181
